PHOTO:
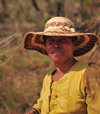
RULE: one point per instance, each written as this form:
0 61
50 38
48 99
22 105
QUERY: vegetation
22 71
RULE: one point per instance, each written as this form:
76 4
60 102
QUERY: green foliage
46 18
96 14
86 1
28 17
20 64
46 61
21 6
74 0
12 101
52 1
17 16
0 72
1 18
6 32
3 57
10 105
23 64
38 26
36 55
88 16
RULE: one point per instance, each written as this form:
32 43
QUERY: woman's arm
92 88
32 111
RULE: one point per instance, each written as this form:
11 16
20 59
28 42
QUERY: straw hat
60 26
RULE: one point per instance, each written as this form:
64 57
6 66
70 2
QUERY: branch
6 40
13 49
6 61
35 4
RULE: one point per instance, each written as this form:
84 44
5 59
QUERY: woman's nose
57 45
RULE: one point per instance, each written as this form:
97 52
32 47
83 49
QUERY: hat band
63 28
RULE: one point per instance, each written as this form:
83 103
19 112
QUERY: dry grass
21 80
21 77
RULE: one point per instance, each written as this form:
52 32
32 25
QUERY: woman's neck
63 68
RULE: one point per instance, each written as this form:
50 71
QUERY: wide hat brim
35 41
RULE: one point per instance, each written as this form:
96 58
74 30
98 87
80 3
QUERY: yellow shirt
53 103
68 95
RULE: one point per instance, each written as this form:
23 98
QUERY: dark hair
44 38
74 40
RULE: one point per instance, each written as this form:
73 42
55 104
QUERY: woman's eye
50 40
64 40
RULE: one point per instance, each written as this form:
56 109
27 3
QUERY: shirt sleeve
91 84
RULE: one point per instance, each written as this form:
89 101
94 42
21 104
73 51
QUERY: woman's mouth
56 53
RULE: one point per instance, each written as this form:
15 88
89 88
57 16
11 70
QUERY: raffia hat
60 26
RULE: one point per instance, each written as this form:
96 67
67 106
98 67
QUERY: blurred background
22 71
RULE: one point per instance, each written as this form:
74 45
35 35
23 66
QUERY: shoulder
51 72
92 69
49 75
92 74
80 67
82 64
91 82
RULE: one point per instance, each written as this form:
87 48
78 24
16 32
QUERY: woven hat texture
60 26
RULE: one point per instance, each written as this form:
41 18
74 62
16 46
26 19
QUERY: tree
60 8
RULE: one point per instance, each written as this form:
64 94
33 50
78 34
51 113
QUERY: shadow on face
73 38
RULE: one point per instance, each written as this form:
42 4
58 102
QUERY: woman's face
59 49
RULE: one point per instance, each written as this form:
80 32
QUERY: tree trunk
81 2
50 9
2 6
35 4
60 8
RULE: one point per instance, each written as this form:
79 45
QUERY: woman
74 86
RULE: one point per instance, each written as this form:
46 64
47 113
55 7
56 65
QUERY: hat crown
62 23
60 19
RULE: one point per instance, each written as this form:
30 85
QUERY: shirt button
49 96
65 78
50 83
78 95
56 96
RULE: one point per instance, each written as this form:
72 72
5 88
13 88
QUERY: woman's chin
57 60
